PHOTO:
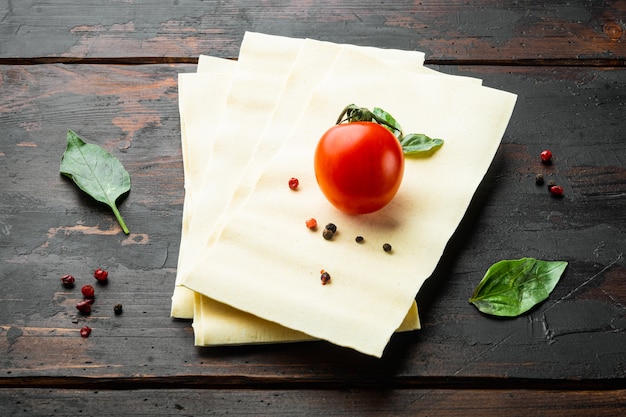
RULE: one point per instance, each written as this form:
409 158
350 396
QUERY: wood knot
613 30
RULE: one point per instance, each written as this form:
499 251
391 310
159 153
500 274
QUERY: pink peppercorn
546 156
85 331
84 306
325 277
68 281
293 183
557 191
101 275
311 223
88 291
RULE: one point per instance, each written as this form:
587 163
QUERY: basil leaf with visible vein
96 172
390 123
512 287
418 142
413 143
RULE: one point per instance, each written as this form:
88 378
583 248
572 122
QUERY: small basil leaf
96 172
512 287
417 142
389 121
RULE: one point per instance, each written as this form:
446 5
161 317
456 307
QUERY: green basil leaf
96 172
512 287
390 123
412 143
417 142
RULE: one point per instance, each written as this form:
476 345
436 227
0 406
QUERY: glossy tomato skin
359 166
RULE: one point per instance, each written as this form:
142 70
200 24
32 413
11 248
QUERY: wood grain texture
579 32
50 229
76 65
348 402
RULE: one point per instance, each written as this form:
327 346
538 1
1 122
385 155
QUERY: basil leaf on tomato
417 142
512 287
413 143
96 172
389 121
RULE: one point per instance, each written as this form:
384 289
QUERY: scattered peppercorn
546 157
387 247
311 223
325 277
539 179
101 274
85 331
557 191
68 281
551 184
84 306
293 183
88 291
359 239
117 309
329 231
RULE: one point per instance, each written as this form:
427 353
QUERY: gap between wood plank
543 62
285 383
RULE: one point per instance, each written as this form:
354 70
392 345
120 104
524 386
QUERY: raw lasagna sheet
264 62
265 262
202 105
202 100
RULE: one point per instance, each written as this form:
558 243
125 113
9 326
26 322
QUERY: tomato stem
354 113
413 143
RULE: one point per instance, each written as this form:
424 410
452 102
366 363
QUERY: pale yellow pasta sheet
266 263
202 98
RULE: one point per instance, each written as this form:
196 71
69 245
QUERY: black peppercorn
551 184
387 247
539 179
359 239
329 231
117 309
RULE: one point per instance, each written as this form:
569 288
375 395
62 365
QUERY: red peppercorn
85 331
68 281
325 277
88 291
311 223
84 306
293 183
557 191
546 156
101 274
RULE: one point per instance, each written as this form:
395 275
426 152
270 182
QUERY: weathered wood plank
447 31
383 402
49 229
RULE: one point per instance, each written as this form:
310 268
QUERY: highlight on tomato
359 162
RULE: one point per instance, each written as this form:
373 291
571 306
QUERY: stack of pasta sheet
249 269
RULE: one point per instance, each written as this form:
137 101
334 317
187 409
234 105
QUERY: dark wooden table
108 70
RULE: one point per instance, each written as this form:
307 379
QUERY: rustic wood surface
452 30
107 70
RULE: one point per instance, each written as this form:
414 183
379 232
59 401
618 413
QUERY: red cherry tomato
359 166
